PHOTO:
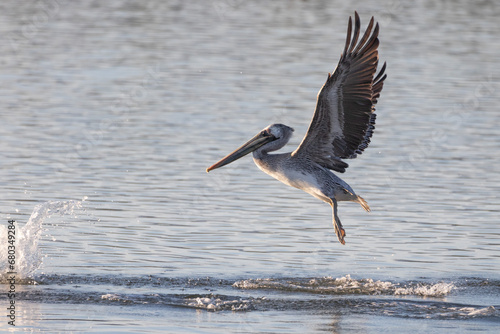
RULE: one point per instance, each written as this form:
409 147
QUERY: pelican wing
344 119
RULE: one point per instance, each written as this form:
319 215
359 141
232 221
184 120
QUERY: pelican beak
259 140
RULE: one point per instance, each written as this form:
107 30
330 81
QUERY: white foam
432 290
342 285
111 296
213 303
487 311
465 312
347 285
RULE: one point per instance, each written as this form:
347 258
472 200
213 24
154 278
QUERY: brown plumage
344 119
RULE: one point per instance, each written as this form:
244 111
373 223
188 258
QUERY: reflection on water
128 103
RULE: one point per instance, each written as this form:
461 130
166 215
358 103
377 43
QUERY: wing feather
344 118
357 26
365 36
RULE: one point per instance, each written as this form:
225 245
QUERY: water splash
28 256
219 303
427 290
347 286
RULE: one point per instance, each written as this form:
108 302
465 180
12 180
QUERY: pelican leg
339 230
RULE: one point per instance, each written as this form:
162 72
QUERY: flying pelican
341 128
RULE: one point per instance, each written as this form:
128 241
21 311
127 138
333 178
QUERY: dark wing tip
378 84
357 27
365 36
382 70
361 63
348 37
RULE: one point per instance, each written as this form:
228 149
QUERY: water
112 111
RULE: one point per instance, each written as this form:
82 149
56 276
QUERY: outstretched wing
344 119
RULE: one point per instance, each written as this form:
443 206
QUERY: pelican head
277 134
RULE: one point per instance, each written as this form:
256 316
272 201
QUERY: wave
348 286
415 299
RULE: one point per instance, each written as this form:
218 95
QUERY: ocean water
111 112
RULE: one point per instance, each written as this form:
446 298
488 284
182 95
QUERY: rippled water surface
111 111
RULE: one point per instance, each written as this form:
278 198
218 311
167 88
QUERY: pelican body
341 128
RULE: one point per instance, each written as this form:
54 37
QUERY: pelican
341 128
